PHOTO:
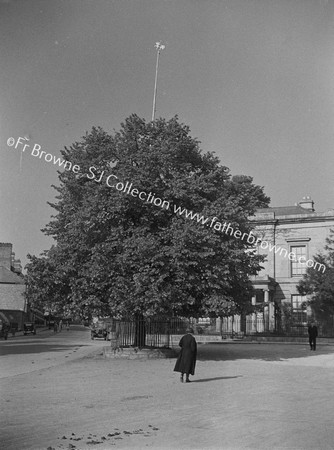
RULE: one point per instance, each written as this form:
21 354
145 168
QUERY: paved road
243 396
24 354
229 351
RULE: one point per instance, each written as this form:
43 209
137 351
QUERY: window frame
299 312
298 242
295 265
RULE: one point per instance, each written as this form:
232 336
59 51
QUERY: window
298 267
259 294
299 313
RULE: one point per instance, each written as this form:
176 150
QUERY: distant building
284 231
13 305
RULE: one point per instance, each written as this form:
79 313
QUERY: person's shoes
188 381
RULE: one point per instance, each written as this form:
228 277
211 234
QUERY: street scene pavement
59 392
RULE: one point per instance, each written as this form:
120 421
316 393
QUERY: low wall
200 339
135 353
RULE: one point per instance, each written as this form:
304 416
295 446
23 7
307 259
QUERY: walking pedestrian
68 326
55 327
312 335
186 360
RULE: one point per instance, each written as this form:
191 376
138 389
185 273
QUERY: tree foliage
319 285
117 254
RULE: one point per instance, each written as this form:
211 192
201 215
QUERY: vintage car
14 328
98 333
4 329
51 323
98 330
29 327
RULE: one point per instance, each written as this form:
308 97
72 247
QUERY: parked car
29 327
99 330
4 329
13 328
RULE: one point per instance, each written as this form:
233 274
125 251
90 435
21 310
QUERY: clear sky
252 78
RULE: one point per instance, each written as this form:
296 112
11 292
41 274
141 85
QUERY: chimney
6 255
17 266
307 203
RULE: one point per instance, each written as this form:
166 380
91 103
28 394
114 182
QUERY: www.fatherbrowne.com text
127 188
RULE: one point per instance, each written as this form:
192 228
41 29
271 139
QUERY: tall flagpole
159 47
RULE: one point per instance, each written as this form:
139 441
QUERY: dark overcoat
186 360
312 331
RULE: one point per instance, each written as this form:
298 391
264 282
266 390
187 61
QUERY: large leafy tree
47 285
118 254
319 284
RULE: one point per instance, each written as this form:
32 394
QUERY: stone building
13 305
289 237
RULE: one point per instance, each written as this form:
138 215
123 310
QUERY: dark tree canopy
121 255
319 285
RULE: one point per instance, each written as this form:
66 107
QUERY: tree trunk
140 332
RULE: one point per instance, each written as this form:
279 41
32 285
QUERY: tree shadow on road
203 380
33 348
263 352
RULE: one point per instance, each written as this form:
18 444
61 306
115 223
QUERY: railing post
168 333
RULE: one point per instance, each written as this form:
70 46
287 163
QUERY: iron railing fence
145 333
158 333
238 327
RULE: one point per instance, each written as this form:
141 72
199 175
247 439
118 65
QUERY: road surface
58 392
24 354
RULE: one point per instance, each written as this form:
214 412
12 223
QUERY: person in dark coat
186 360
312 335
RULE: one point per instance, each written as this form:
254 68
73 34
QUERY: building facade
289 237
13 305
